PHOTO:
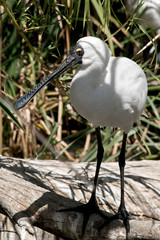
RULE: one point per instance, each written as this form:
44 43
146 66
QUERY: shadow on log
31 192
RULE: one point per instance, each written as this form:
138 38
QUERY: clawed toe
122 215
87 210
91 207
125 217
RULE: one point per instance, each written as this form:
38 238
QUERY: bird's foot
123 215
86 209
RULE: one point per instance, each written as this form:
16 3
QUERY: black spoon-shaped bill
74 57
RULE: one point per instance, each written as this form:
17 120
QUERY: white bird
107 91
148 13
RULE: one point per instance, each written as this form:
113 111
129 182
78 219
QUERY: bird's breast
115 97
99 104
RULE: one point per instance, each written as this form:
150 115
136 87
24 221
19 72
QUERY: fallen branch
31 192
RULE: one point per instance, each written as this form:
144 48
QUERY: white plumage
106 90
149 13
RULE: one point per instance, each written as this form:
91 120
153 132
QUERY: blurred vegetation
35 36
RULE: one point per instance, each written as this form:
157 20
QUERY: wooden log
32 192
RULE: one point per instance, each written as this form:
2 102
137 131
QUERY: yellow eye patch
79 51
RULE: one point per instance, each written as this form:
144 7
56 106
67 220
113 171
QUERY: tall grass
36 36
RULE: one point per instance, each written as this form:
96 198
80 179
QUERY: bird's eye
79 51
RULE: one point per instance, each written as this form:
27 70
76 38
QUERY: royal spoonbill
107 91
148 17
148 13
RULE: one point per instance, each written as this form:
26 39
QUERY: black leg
92 206
100 152
122 212
121 167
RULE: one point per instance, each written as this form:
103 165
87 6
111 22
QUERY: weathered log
32 192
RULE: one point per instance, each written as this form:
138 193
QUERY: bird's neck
87 75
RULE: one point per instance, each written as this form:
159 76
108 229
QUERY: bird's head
95 51
88 50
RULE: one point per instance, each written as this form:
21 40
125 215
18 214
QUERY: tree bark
32 192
